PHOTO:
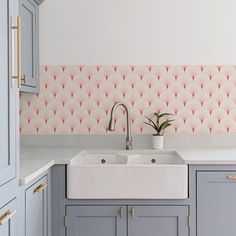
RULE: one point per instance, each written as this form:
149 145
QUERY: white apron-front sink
127 175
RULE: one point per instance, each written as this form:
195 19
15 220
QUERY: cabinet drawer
217 176
8 219
36 208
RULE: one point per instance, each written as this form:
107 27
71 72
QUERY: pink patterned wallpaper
78 99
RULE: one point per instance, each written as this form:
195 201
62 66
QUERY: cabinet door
96 220
37 209
158 221
8 219
8 108
29 45
216 203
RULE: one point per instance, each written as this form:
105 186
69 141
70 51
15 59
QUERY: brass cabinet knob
122 212
24 79
133 212
231 177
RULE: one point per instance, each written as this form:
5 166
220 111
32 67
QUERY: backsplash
78 99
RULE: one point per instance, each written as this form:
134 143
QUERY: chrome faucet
111 126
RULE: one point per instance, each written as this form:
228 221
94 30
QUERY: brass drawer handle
122 212
133 213
40 188
6 216
231 177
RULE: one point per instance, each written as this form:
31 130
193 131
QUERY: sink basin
168 158
99 159
116 174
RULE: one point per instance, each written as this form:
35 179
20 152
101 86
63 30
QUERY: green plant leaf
157 120
164 126
165 114
159 127
151 123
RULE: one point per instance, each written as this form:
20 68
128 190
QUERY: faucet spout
111 126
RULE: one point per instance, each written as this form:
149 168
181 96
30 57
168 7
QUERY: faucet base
129 145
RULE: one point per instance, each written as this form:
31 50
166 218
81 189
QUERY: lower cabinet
96 220
36 209
158 221
8 219
127 220
216 203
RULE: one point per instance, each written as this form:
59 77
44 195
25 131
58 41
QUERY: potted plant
159 127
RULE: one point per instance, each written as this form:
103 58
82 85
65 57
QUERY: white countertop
30 169
217 156
35 161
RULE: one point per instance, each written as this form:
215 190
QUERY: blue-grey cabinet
8 97
127 220
216 203
158 221
36 209
29 12
8 225
96 220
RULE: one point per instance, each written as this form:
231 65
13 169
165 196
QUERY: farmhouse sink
116 174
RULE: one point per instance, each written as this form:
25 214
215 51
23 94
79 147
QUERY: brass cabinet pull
6 216
18 28
40 188
24 79
132 213
122 212
231 177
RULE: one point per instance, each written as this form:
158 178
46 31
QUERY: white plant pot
157 142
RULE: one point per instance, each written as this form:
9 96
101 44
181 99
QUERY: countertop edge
27 179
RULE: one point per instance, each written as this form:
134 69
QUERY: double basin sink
115 174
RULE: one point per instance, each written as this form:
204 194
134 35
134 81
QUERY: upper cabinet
29 12
8 92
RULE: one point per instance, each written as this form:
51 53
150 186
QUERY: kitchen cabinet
8 225
216 205
9 114
8 96
36 208
158 221
112 220
29 12
96 220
